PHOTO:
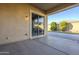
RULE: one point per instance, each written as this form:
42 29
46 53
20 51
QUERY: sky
67 15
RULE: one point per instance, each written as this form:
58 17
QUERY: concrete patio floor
28 47
53 44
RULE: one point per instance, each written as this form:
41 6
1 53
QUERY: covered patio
20 33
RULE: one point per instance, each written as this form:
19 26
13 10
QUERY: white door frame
33 37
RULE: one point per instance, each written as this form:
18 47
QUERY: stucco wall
13 22
74 27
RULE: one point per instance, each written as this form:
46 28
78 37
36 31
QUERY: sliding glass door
37 25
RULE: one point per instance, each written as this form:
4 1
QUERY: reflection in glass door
40 25
37 25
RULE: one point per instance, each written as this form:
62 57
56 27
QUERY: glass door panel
34 25
37 25
41 25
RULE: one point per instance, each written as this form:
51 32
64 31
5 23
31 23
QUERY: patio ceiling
46 6
51 7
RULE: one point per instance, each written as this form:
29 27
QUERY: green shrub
63 25
53 26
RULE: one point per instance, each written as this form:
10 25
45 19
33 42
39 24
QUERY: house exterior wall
15 22
49 26
74 27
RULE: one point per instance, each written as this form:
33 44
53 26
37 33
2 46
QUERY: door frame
38 13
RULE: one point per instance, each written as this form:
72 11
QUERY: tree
53 26
63 25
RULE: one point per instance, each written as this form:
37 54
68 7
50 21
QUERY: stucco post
46 25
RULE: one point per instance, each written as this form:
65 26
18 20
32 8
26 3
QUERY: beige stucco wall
74 27
49 27
13 22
